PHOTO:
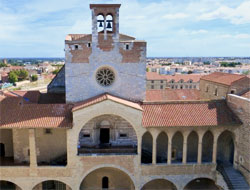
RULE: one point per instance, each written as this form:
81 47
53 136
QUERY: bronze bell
100 25
109 25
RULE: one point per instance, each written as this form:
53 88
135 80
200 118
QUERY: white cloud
238 15
175 16
235 36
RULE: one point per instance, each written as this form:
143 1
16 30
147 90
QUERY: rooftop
223 78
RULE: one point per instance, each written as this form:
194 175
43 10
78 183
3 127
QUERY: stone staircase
233 178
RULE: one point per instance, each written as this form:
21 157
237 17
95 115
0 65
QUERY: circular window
105 76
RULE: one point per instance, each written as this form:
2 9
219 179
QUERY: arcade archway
159 184
107 178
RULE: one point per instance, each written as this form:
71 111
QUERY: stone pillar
199 150
170 135
215 149
32 146
154 147
184 154
139 141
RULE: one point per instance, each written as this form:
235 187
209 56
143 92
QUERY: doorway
2 150
104 135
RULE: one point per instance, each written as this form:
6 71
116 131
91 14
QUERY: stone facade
163 84
80 168
215 90
241 106
166 156
123 55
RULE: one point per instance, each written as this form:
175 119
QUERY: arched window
105 182
100 22
109 22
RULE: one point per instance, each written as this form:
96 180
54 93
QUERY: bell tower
104 61
105 20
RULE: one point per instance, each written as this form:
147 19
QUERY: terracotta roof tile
29 96
15 113
172 94
102 97
223 78
176 78
211 113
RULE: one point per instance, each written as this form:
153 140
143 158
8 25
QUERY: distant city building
218 85
178 81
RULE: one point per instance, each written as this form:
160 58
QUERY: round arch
99 114
201 183
160 183
225 148
116 176
49 183
8 185
107 132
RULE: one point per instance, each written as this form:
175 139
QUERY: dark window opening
123 135
232 91
48 131
76 47
161 86
104 135
86 135
127 47
105 182
2 150
161 81
152 86
89 44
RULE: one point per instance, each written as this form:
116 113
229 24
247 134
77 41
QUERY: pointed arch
162 148
192 147
147 145
177 147
207 146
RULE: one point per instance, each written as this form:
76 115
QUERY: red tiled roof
187 114
30 96
176 78
172 94
223 78
102 97
15 113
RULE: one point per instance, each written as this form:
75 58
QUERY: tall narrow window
216 92
105 183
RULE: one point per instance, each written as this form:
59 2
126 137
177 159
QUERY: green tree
22 74
13 77
246 72
3 65
34 78
56 71
190 72
147 69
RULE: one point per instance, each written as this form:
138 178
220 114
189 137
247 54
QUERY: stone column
139 139
154 147
215 149
32 145
170 135
184 154
199 150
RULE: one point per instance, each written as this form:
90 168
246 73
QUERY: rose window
105 77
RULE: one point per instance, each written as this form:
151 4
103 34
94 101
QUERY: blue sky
37 28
